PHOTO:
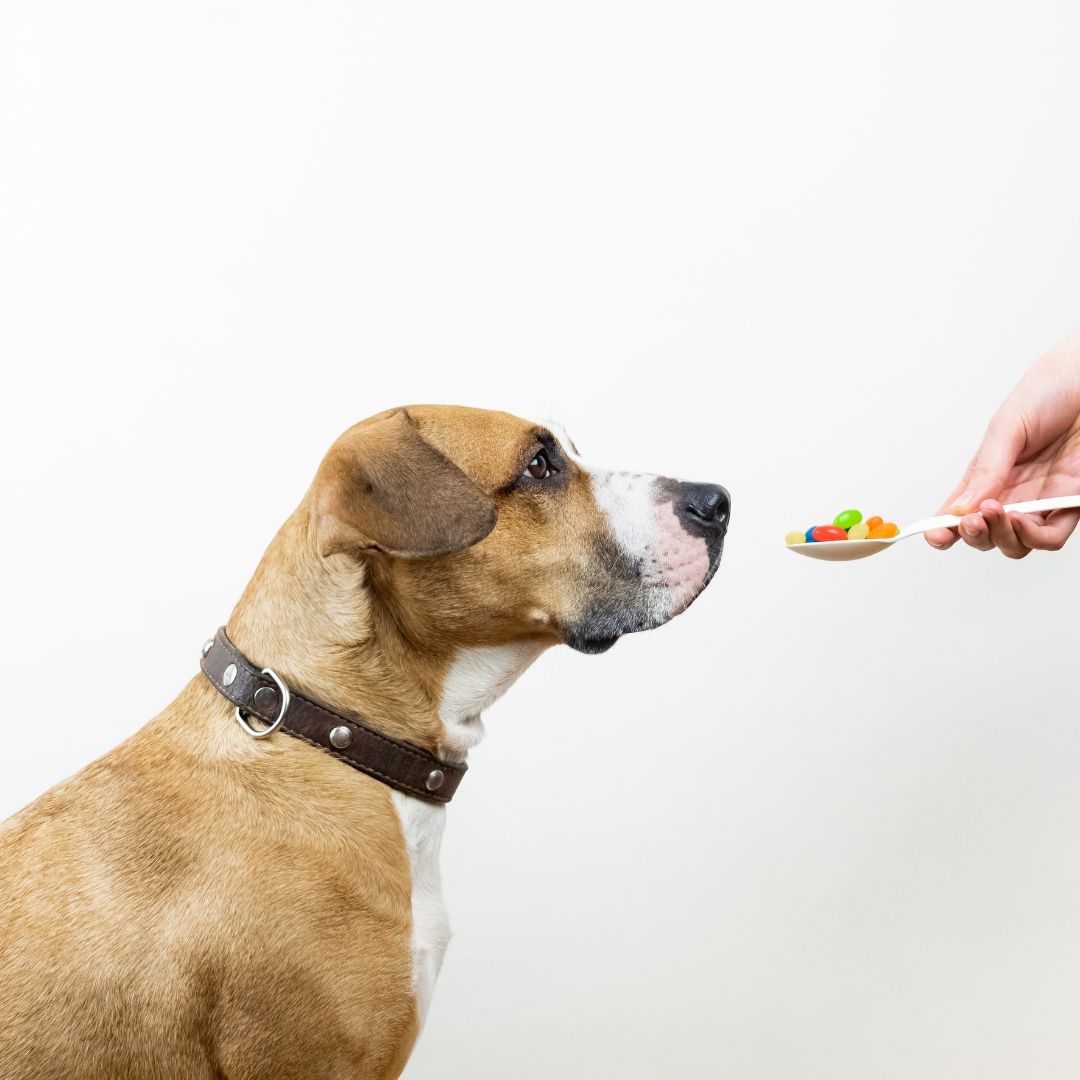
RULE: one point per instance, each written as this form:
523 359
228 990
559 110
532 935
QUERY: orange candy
882 531
874 522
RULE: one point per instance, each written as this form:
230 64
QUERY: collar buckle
262 733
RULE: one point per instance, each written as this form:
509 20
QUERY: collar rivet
341 737
266 697
435 780
229 674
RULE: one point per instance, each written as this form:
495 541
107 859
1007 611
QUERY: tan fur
199 904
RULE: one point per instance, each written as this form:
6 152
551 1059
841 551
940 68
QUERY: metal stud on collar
341 737
262 733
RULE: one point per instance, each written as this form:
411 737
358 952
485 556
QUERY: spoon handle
1032 506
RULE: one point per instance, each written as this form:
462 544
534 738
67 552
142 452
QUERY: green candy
846 518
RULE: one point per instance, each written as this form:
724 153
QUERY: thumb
993 463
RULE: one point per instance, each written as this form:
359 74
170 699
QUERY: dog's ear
383 487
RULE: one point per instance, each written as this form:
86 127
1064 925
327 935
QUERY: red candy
828 532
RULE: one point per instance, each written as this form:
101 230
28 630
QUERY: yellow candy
858 532
795 538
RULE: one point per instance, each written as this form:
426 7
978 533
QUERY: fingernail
963 503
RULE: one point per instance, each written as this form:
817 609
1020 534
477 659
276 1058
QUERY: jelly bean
846 519
847 525
884 531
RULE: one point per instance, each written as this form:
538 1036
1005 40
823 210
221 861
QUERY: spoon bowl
849 550
841 550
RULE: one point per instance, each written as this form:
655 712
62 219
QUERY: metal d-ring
262 733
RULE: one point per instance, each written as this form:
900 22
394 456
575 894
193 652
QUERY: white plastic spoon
846 550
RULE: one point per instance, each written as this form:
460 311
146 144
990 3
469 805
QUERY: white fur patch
629 501
476 679
422 825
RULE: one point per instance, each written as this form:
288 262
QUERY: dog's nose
708 504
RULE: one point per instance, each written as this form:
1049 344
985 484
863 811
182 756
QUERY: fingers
984 479
1014 535
993 462
942 539
991 528
1048 535
975 533
1001 530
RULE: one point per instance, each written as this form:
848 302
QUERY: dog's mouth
607 620
591 646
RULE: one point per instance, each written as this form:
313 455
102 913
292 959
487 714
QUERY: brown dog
203 904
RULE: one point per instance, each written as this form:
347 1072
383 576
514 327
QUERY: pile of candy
847 525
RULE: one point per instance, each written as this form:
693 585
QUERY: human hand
1031 450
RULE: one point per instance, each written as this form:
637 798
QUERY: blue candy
810 535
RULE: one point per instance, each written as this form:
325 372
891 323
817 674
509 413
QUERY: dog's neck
315 622
478 677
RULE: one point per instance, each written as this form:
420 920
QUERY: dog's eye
539 468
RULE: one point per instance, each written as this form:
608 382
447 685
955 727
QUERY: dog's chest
475 680
422 827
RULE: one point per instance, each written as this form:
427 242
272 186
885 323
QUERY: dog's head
478 528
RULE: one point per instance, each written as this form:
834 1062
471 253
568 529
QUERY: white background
825 825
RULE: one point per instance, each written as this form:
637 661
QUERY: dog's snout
705 504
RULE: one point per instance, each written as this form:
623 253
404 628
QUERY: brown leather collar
262 694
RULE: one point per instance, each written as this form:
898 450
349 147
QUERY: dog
221 899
